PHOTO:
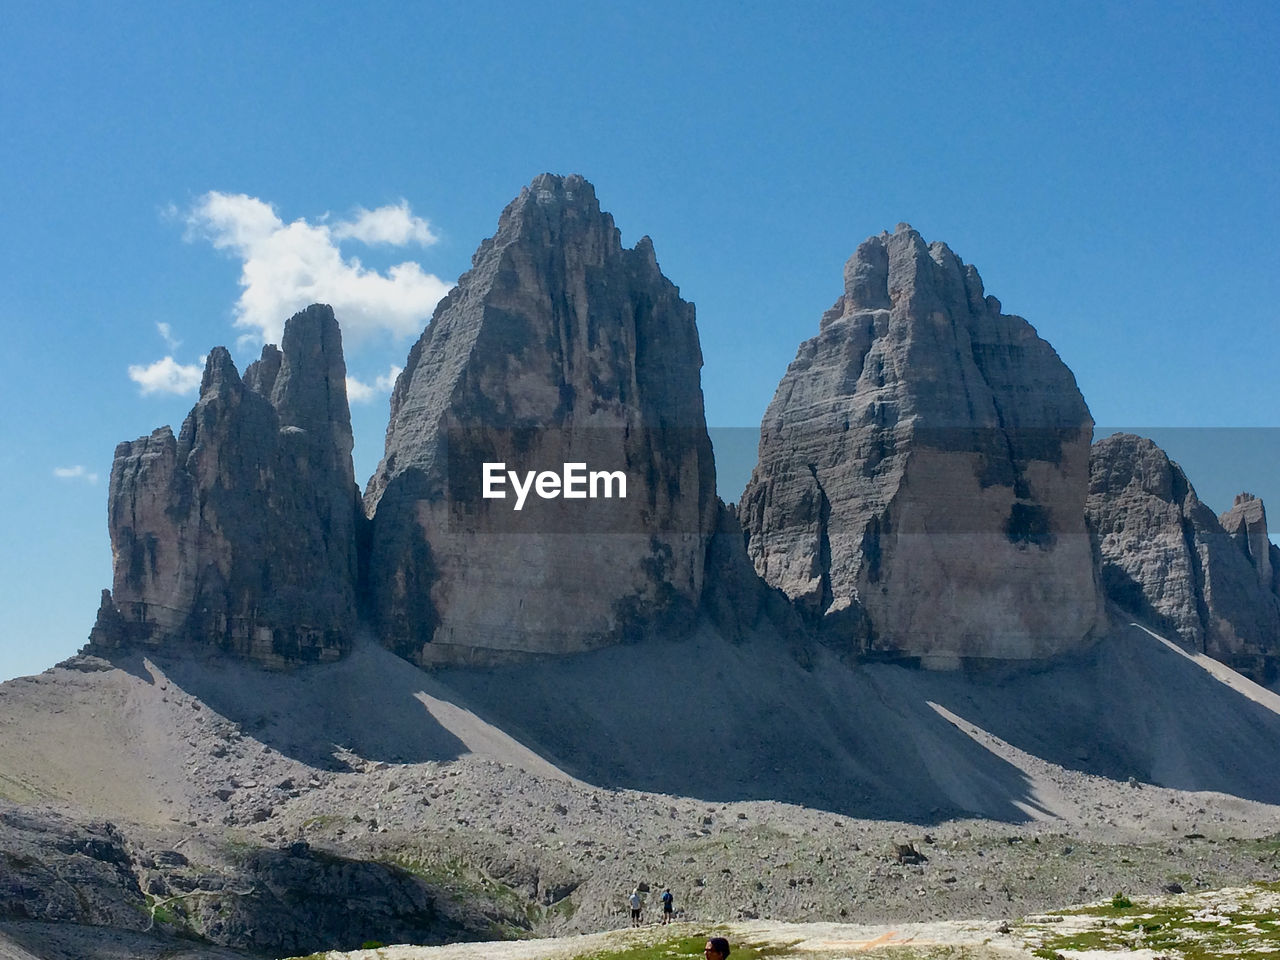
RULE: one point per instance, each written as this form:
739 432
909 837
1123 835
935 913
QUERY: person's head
717 948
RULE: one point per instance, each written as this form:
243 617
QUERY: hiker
668 905
636 904
717 949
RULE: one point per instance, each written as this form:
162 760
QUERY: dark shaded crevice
1198 578
824 542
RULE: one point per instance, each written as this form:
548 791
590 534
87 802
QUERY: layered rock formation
923 470
1167 559
558 346
240 533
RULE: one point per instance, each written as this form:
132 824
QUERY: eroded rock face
1166 557
240 533
923 470
558 346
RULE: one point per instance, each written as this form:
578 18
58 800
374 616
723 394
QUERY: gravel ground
1023 791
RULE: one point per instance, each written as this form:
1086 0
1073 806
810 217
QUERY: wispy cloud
286 266
167 376
360 392
393 225
77 472
166 333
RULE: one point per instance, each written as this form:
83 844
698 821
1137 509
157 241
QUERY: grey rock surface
240 533
278 899
558 346
1166 557
61 871
923 468
1246 524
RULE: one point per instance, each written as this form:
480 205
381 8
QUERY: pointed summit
219 373
923 468
1246 523
559 346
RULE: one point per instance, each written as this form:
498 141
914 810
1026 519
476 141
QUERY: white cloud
360 392
75 473
393 225
167 376
166 333
285 267
386 383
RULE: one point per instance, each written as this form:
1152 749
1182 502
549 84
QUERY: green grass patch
562 910
1245 933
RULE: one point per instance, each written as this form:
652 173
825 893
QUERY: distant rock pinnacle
1167 559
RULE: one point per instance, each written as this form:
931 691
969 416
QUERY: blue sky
1110 170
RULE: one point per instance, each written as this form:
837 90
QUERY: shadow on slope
703 717
706 718
1132 707
369 703
721 721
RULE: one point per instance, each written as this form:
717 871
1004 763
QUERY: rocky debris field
475 849
221 816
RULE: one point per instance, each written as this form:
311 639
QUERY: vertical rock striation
240 533
923 469
1167 558
558 346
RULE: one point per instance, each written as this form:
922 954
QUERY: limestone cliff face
558 346
923 469
1167 559
240 533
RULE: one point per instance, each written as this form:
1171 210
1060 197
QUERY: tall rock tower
557 347
923 471
240 534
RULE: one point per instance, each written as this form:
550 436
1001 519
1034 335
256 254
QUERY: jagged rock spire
240 533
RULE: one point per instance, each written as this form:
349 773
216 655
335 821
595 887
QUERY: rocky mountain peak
1246 524
240 535
310 389
923 429
260 376
558 346
1166 558
219 373
557 212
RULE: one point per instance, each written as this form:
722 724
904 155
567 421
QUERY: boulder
558 346
923 469
240 533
